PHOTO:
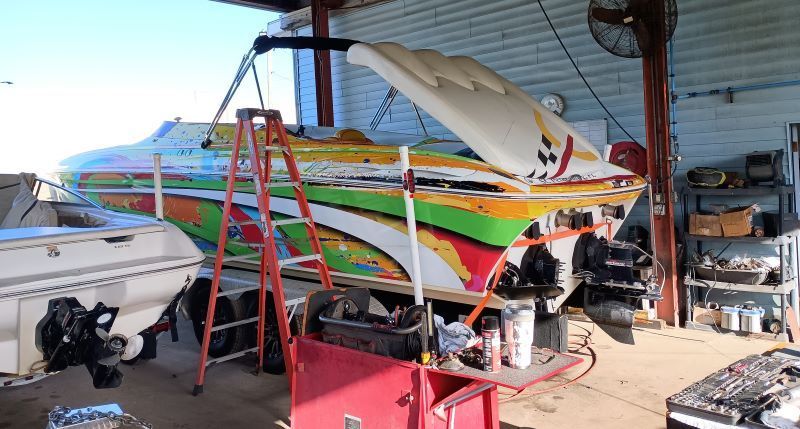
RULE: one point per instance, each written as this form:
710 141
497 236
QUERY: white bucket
751 319
518 323
730 318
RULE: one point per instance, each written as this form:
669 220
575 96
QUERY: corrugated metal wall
718 43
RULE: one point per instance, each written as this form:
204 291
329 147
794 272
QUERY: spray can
490 333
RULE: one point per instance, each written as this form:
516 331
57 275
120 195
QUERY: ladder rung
231 356
291 221
245 222
281 184
240 257
297 259
273 148
234 324
237 290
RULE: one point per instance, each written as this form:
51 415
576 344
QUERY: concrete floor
627 387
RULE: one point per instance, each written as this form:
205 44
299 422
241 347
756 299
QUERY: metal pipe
732 89
673 111
159 193
364 325
411 221
419 117
258 86
388 98
469 394
244 66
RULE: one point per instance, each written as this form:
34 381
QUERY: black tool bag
345 325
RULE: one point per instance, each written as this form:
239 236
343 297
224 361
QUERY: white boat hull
132 263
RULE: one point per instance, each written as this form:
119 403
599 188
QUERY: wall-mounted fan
623 27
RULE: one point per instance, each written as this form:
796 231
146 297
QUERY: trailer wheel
273 349
226 341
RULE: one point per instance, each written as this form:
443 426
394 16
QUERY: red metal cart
337 387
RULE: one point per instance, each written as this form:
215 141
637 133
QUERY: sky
96 73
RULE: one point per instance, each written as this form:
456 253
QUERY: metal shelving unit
784 241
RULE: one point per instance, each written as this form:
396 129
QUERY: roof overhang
273 5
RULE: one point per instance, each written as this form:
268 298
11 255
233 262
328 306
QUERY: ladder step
282 184
245 222
234 324
273 148
237 290
231 356
240 258
297 259
291 221
257 245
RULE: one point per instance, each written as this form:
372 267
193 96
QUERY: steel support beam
656 107
322 65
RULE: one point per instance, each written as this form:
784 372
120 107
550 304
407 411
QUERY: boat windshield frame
37 187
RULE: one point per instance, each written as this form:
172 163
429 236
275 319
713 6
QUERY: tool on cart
739 390
98 417
260 168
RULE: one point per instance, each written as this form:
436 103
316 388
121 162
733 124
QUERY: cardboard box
704 316
708 225
737 222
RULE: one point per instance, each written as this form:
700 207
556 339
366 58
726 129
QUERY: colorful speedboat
520 187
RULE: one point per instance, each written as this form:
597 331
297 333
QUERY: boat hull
362 230
137 266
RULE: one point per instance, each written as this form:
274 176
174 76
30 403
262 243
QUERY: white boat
78 281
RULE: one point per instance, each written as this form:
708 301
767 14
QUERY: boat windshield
50 192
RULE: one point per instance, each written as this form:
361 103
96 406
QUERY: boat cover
504 125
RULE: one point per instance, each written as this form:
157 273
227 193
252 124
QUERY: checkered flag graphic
547 159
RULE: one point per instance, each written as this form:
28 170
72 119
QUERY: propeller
113 343
102 334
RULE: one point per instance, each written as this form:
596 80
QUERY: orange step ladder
261 170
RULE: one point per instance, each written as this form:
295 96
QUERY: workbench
338 387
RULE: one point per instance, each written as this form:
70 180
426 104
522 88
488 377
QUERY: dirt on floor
626 386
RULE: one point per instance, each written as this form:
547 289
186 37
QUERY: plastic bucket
730 318
751 319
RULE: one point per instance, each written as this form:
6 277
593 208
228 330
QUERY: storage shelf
737 192
772 289
786 204
784 239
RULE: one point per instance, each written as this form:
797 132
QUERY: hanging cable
581 75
